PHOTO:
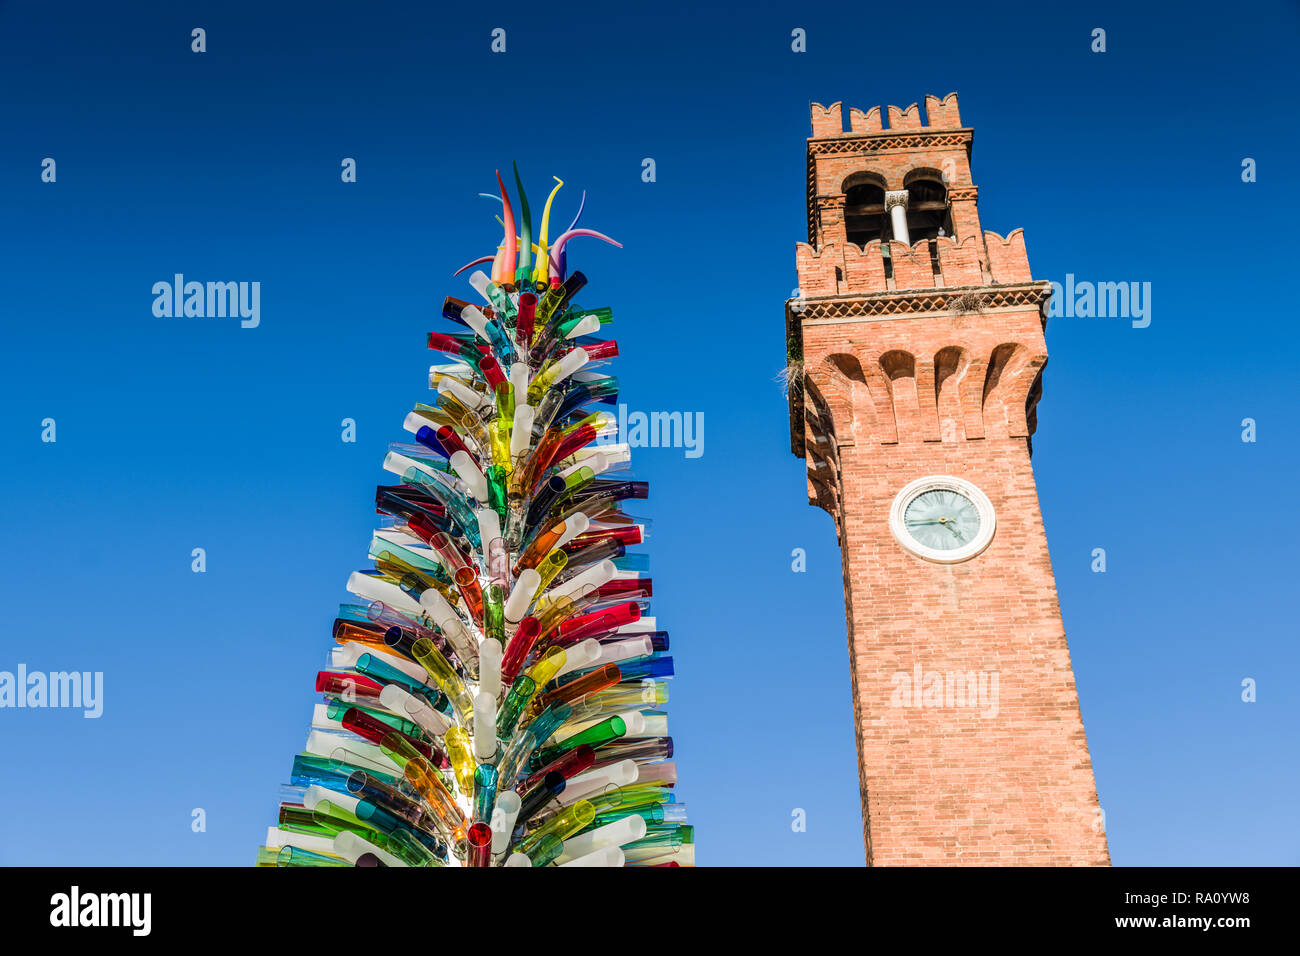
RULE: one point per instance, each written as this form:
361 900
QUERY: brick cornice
908 139
919 301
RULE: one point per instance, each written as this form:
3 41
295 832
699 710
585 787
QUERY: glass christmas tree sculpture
496 691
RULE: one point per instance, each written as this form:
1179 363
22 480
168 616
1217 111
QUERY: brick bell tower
917 350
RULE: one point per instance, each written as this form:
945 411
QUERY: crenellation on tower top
940 114
868 122
1008 259
946 262
909 118
826 120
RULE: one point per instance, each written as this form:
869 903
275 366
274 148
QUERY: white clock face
942 519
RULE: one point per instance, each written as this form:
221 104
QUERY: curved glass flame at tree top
496 692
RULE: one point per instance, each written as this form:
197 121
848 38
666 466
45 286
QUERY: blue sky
182 433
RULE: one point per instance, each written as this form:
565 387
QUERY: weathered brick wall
960 784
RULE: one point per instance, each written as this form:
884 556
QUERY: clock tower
916 350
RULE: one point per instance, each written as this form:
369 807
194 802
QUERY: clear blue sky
176 434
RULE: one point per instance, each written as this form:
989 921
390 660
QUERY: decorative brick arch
821 452
912 171
861 409
862 177
950 367
1012 371
899 370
